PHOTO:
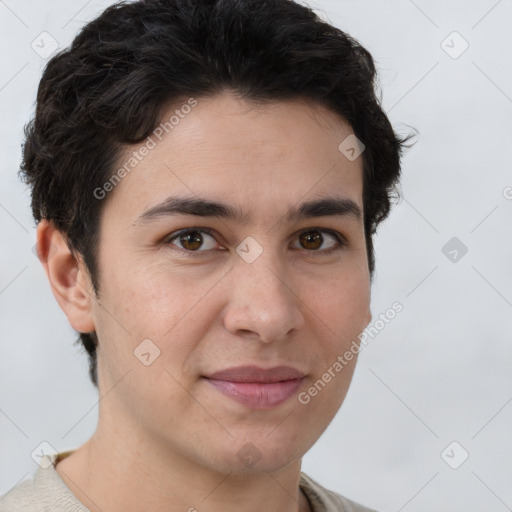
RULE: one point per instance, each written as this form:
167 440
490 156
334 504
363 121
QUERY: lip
255 387
256 374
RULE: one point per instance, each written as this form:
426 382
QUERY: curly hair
109 88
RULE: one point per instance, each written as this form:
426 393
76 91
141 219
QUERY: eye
192 239
313 239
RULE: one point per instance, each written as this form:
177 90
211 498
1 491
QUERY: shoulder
324 500
22 496
42 492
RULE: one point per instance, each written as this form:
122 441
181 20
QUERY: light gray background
439 372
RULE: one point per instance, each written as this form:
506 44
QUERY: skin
166 440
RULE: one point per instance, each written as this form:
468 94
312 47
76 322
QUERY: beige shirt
46 491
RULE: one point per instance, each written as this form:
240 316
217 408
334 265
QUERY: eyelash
342 242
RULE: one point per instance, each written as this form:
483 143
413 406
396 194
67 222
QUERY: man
207 176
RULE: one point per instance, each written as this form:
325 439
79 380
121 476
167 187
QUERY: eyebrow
329 206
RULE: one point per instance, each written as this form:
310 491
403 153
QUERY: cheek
343 302
152 301
342 314
163 307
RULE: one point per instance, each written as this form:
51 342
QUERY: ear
68 276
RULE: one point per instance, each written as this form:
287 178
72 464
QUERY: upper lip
256 374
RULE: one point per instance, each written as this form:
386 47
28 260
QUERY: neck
125 473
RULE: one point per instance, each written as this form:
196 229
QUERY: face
188 290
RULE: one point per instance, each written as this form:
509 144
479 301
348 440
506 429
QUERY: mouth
258 388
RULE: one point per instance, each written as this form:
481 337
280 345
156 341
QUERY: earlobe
68 277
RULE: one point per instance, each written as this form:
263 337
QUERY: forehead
255 157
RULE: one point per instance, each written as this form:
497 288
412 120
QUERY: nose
263 303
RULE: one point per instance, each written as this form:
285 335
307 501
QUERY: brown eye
315 239
311 239
192 240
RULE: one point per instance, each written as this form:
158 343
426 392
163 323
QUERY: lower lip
258 395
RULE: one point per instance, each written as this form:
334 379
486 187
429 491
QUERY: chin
253 454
